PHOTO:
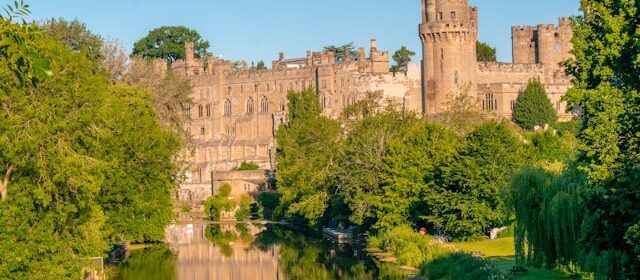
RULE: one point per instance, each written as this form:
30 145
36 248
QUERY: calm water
249 251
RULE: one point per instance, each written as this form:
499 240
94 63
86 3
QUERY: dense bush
410 247
244 211
268 202
247 166
214 206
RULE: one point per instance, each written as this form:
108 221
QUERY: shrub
410 247
247 165
533 107
461 266
244 211
218 203
269 201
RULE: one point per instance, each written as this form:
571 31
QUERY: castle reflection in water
222 251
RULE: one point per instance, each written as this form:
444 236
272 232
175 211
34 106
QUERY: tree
306 157
171 94
485 52
361 173
533 107
114 59
75 35
167 42
467 198
343 52
462 114
140 171
65 141
261 65
402 57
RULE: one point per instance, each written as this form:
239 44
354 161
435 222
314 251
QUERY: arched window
227 107
208 110
264 105
328 102
200 111
249 106
281 105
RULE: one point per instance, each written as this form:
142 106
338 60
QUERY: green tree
247 165
49 214
606 91
533 107
218 203
468 197
140 172
485 53
343 52
261 65
361 169
402 57
411 167
306 157
75 35
167 42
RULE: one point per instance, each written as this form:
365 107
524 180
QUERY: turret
449 33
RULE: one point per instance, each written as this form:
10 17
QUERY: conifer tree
533 107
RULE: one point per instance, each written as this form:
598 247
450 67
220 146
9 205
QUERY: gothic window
256 88
281 105
229 90
490 103
227 107
187 110
453 15
249 106
264 105
441 54
440 16
208 110
513 105
202 131
200 111
327 102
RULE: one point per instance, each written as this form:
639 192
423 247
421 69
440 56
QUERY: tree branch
5 183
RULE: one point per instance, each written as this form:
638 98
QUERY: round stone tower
449 32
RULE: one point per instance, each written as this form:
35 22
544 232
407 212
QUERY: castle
237 111
449 33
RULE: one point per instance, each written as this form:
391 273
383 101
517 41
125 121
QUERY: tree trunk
5 183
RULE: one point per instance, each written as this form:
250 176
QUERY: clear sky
255 30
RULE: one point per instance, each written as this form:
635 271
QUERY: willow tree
549 210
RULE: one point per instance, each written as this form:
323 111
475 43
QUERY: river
249 251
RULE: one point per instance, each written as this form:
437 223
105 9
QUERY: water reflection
249 251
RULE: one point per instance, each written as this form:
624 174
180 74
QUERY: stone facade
449 32
237 111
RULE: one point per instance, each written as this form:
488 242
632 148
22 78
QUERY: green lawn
501 252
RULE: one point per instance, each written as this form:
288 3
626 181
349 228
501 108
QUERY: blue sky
255 30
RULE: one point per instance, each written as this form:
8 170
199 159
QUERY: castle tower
449 33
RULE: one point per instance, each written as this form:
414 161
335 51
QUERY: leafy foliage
62 147
214 205
485 53
402 57
247 165
75 35
306 157
411 248
167 42
343 52
533 107
468 199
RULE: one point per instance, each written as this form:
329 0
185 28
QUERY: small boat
338 235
